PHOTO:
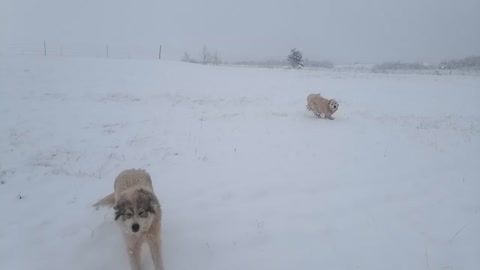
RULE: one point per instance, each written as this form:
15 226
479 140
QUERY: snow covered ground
247 178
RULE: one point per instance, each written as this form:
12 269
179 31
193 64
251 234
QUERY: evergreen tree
295 58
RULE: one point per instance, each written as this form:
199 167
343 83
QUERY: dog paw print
112 128
4 174
279 114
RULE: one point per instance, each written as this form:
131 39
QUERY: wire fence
44 48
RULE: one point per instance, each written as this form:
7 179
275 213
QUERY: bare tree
216 58
186 58
206 56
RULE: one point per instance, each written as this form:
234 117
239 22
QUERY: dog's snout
135 227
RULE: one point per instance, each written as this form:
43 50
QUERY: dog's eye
142 213
128 215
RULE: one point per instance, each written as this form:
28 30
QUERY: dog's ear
146 200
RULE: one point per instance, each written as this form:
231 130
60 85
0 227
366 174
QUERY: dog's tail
107 201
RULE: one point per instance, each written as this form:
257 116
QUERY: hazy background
344 31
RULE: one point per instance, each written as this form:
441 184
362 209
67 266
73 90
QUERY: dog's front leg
154 241
155 245
134 249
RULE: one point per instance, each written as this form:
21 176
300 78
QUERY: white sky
343 31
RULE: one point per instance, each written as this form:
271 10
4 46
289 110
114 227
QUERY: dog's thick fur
138 212
321 106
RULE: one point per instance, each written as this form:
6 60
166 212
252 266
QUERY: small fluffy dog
321 106
138 212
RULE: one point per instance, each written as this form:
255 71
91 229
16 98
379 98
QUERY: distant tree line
398 66
471 62
467 63
294 60
318 64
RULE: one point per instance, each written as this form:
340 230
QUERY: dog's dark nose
135 227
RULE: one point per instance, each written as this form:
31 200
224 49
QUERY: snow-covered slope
247 178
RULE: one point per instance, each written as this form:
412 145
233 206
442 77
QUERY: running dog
138 213
321 106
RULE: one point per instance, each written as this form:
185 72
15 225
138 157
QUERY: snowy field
247 178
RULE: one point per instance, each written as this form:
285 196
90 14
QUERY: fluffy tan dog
138 212
321 106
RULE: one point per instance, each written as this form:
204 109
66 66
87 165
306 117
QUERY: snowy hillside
247 178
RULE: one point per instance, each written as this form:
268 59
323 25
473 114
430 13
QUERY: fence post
44 48
160 52
107 50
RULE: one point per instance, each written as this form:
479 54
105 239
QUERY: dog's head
135 210
333 105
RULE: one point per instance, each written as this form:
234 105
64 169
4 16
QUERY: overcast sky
344 31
